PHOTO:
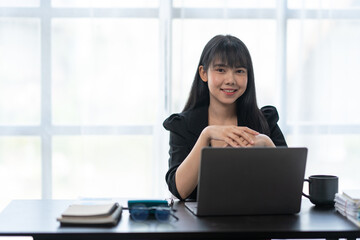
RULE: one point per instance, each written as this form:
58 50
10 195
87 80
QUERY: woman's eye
220 70
241 71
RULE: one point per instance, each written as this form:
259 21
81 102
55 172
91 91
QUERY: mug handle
306 180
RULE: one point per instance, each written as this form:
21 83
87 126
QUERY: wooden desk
37 218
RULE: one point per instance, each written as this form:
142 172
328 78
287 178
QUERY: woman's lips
229 91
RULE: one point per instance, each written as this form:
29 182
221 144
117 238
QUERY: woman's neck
222 114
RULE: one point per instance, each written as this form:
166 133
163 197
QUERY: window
86 84
80 99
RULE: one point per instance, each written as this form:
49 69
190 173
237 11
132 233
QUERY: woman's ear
203 74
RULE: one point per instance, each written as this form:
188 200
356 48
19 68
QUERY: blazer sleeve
180 146
272 117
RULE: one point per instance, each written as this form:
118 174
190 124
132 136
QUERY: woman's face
226 84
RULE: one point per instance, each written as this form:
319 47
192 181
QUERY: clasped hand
236 136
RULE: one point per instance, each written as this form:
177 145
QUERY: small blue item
148 203
140 210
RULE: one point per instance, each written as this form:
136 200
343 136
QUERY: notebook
249 181
91 214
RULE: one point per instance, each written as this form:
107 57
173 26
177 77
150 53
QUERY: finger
239 140
249 145
251 131
246 137
226 145
231 142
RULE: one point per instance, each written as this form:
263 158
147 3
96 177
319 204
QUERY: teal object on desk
147 203
140 210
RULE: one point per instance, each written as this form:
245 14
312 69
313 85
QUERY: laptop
249 181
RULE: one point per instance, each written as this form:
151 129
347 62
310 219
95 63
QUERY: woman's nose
230 79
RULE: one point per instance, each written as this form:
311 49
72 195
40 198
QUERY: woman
221 111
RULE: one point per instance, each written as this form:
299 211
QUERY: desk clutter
91 214
348 204
109 213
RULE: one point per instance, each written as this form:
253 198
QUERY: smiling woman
228 81
223 100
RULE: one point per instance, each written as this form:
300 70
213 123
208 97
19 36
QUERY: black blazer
186 127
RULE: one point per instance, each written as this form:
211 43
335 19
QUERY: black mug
322 189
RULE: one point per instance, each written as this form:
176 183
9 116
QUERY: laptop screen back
251 181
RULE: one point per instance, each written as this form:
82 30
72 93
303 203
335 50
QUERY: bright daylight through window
86 84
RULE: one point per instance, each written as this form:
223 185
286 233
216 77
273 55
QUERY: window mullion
281 25
164 105
46 121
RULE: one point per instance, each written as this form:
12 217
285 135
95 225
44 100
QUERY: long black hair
232 52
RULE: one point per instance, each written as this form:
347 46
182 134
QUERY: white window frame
165 13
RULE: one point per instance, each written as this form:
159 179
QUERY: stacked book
348 204
91 214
